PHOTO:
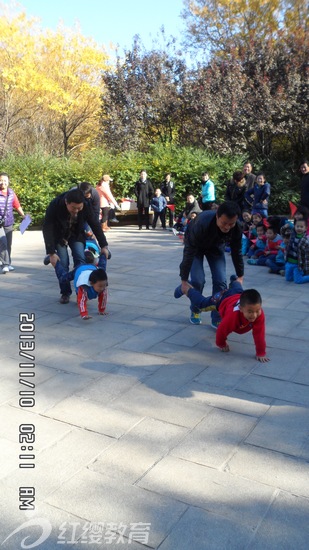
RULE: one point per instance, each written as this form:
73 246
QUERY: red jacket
234 321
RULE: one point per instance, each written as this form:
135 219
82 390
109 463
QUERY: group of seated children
284 250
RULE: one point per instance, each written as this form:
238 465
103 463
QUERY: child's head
257 218
239 178
246 216
271 233
300 226
98 280
193 215
158 192
260 230
205 176
302 213
260 179
285 233
190 198
250 304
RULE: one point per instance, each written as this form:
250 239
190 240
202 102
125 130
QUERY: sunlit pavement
144 435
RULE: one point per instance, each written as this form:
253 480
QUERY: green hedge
37 179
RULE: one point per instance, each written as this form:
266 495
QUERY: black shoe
64 299
114 220
147 227
46 260
140 228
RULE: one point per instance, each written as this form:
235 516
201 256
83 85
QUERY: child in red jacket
240 310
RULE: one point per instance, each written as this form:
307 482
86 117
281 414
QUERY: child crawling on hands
240 310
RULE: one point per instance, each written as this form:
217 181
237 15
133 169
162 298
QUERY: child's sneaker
252 261
282 272
175 232
178 292
195 318
215 324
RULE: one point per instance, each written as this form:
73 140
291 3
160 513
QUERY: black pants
160 215
140 210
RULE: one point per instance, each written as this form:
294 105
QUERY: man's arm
236 251
48 229
95 226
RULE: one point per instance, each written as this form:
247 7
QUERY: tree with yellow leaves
50 85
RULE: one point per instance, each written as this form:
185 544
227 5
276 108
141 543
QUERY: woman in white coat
106 199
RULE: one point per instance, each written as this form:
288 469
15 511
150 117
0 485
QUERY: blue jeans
201 302
217 265
289 271
77 249
274 266
299 278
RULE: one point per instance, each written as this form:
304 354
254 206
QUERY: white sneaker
11 268
5 269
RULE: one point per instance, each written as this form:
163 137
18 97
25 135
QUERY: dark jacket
56 225
191 207
168 190
236 194
256 195
250 180
205 236
144 192
304 190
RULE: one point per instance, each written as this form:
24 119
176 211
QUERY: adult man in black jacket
63 226
207 236
144 192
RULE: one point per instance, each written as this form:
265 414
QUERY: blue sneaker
178 292
195 318
215 324
252 261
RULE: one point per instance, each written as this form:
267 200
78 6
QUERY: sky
109 21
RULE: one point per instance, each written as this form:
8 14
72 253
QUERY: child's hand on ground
263 359
86 317
226 348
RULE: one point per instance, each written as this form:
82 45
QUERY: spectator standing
207 192
304 184
236 189
63 227
249 176
258 197
207 237
158 205
106 199
169 191
144 192
8 201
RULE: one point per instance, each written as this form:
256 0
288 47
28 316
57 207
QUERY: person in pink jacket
106 199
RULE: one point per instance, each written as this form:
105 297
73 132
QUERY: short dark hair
300 208
272 228
97 275
286 231
229 209
250 297
260 224
74 195
205 174
85 187
238 175
301 220
304 161
261 174
4 174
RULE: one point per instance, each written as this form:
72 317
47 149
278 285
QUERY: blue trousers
201 302
217 265
77 248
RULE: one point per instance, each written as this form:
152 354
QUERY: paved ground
146 436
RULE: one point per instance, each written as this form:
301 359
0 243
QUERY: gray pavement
146 436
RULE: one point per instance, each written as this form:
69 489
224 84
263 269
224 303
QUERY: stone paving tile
199 529
215 438
144 401
241 500
145 340
112 384
230 400
59 462
271 468
48 430
138 450
136 360
279 389
284 365
285 525
172 377
284 428
94 416
97 498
